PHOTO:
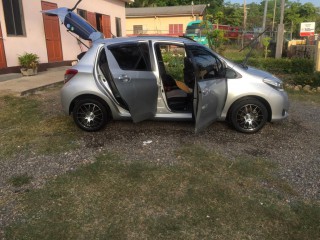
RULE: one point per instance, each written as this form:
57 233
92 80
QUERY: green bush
174 64
282 66
294 71
304 79
28 60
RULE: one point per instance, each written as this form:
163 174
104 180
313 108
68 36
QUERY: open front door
210 89
131 72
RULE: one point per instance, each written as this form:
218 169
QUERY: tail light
70 73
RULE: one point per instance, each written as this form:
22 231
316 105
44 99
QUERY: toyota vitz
148 77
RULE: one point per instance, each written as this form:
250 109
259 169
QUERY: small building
23 28
162 20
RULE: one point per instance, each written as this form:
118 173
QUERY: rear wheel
248 115
90 115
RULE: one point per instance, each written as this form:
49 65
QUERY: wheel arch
261 99
90 96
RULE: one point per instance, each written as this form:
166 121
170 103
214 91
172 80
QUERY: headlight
273 83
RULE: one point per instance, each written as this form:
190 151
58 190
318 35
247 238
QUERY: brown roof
166 11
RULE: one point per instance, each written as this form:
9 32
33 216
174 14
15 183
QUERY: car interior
178 80
178 92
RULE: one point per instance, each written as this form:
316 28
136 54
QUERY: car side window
231 74
208 66
133 57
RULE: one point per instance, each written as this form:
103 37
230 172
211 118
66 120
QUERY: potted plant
29 64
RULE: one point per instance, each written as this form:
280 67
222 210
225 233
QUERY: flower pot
29 71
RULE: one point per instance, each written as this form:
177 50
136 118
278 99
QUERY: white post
280 33
317 68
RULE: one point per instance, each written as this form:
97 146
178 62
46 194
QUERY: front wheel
248 115
90 115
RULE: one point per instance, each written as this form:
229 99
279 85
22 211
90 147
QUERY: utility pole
265 15
264 20
280 32
244 22
274 16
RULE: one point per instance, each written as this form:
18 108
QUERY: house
162 20
23 28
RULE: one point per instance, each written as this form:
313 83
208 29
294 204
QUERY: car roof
144 38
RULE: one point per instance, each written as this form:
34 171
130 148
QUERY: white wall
34 41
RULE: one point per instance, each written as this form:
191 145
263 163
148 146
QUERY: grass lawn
27 128
202 196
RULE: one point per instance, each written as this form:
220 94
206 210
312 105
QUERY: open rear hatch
76 24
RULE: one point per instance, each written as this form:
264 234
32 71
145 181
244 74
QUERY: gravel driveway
294 145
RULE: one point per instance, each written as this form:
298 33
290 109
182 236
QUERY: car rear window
134 57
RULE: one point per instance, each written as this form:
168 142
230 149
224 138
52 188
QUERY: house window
13 15
137 29
176 29
118 27
82 13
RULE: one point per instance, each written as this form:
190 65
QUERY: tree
292 18
233 15
295 13
266 43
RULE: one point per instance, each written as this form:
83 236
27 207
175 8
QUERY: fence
299 49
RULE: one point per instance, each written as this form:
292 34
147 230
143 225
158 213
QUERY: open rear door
210 89
130 67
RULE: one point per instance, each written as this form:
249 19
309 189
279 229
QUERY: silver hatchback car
148 77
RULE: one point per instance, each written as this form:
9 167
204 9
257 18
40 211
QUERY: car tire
90 115
248 115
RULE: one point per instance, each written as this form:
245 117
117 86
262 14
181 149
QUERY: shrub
283 65
28 60
306 79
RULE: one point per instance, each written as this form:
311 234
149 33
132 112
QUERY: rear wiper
253 43
75 6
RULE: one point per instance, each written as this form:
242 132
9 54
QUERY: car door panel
209 102
137 88
210 89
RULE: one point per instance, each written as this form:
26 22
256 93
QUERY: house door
3 62
106 26
92 19
52 34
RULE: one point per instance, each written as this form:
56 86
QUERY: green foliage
174 63
232 14
213 4
296 71
304 79
266 43
28 60
283 65
215 37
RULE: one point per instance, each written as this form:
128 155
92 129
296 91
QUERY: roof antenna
75 6
252 44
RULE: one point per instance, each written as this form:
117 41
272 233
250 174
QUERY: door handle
205 92
124 78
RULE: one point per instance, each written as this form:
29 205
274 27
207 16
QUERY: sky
315 2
